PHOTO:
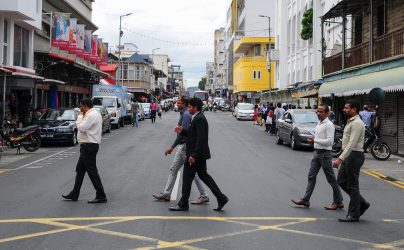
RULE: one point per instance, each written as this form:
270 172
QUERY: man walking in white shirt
89 126
323 141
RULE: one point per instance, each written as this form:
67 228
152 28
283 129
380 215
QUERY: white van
114 106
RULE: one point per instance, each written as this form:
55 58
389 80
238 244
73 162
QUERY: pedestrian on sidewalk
153 111
351 161
135 111
180 158
256 114
279 111
323 141
89 126
159 110
197 153
366 115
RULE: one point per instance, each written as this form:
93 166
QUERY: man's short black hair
279 105
87 102
354 104
184 100
325 106
196 102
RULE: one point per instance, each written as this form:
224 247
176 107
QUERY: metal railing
389 45
332 64
357 55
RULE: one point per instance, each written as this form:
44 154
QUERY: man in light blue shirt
366 116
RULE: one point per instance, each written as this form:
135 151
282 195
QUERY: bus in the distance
203 95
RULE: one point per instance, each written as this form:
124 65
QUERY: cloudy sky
183 29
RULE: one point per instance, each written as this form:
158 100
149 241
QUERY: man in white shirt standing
89 126
323 141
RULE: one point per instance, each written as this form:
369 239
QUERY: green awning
391 80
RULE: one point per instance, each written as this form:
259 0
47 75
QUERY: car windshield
246 107
201 95
305 117
108 102
54 114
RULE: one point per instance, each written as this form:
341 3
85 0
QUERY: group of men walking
349 162
193 151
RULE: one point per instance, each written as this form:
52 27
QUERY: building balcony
247 43
20 9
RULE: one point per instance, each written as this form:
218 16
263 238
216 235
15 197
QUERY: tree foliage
202 83
307 25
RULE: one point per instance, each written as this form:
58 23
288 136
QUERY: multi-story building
176 79
371 57
68 77
219 83
210 77
127 50
18 21
136 73
161 63
246 26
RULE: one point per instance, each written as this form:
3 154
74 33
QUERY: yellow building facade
250 72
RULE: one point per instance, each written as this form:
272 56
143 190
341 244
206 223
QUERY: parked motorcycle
379 150
29 138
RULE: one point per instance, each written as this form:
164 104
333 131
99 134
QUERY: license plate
47 136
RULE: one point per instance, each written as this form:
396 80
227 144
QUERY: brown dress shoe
301 202
162 197
335 206
201 200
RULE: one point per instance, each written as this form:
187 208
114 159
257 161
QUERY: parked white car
244 111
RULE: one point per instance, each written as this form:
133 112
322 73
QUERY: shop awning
50 81
136 90
391 80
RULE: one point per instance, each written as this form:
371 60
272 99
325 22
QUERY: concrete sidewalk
391 170
9 156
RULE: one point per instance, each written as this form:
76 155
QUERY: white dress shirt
324 136
89 127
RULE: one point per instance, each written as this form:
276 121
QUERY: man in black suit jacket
197 154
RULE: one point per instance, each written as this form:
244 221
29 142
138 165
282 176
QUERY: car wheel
293 142
74 139
278 139
109 128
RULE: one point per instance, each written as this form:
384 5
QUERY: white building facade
219 57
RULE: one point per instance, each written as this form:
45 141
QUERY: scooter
29 138
214 107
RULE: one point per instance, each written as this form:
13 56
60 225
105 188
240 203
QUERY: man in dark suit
198 152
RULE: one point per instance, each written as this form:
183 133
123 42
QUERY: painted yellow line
3 171
383 177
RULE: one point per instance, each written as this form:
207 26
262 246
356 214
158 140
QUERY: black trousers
153 116
189 174
87 163
348 180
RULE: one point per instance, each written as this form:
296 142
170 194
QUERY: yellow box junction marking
185 244
384 178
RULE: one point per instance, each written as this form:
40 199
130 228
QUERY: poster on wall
60 29
72 35
105 57
100 51
94 49
80 40
87 45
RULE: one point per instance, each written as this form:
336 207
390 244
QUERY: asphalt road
257 175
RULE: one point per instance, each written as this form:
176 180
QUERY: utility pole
119 45
268 54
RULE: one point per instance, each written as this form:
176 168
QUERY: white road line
176 186
34 162
33 167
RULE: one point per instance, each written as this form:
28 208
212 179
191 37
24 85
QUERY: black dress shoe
70 197
98 200
178 208
221 204
364 207
349 219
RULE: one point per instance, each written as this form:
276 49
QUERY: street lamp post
152 59
268 51
119 44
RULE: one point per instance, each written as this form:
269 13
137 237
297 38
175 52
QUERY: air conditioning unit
273 55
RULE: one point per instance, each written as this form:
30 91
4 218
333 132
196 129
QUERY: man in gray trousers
179 159
323 141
